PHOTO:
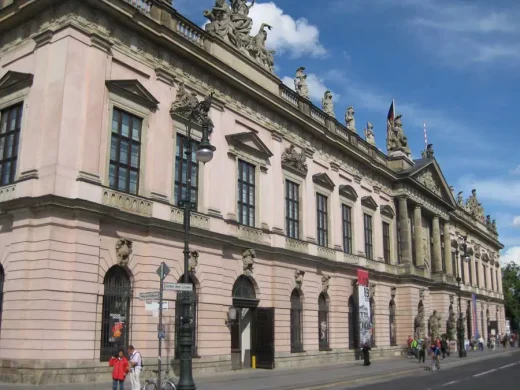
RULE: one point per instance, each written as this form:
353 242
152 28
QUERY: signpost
149 296
178 286
162 271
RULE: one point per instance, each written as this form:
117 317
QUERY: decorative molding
7 192
248 260
15 81
326 253
426 179
134 91
485 257
165 76
369 202
393 292
323 180
193 262
325 283
123 251
197 220
294 161
250 234
348 192
250 143
387 211
127 202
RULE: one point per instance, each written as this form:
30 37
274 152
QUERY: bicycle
167 383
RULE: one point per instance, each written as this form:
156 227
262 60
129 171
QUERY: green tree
511 288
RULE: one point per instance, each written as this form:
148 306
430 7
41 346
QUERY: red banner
362 277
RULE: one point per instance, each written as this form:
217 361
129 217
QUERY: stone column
404 232
447 249
418 236
437 248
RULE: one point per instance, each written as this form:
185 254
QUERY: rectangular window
246 193
443 254
485 277
125 152
386 242
477 270
454 264
498 285
322 220
368 236
462 271
470 271
399 249
492 279
183 172
346 212
10 124
292 209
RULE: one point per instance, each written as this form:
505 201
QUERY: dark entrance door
264 337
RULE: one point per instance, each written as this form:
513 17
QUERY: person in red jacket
121 368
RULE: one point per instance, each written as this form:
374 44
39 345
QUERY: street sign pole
163 270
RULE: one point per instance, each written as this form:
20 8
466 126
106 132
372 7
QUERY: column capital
418 206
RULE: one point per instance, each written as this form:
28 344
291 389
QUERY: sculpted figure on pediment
184 102
427 180
241 20
293 159
220 23
350 121
300 83
396 140
460 199
474 206
258 50
327 105
369 134
428 153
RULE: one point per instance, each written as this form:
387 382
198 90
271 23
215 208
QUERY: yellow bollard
253 362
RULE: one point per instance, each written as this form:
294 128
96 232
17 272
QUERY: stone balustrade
145 6
126 202
197 220
7 193
342 131
288 95
296 245
190 31
318 115
326 253
250 234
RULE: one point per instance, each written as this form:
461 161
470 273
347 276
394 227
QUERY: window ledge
196 220
126 202
296 245
249 233
7 192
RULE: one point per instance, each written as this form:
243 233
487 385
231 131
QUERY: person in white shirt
136 366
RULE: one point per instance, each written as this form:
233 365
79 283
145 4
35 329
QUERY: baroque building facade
293 204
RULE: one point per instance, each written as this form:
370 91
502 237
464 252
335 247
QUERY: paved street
347 375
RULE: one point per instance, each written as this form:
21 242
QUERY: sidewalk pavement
298 378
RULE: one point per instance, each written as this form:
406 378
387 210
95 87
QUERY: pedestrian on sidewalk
422 350
481 344
435 353
415 345
120 369
366 354
410 341
444 348
136 366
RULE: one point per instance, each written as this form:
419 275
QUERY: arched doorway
193 316
2 279
115 320
353 324
391 321
296 321
323 322
372 322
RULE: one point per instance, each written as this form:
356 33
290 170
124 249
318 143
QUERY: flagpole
425 136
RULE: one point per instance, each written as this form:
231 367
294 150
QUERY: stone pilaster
437 248
418 236
447 249
404 232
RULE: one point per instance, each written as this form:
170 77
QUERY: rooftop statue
350 121
396 140
369 134
327 105
428 153
300 83
233 25
474 207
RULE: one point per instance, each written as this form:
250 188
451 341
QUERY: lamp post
198 113
462 241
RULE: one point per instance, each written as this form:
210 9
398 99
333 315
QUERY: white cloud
511 255
316 86
293 36
516 221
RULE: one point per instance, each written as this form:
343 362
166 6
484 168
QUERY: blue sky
451 63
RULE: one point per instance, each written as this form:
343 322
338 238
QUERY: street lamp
198 113
461 242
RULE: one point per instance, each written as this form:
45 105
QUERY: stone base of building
38 372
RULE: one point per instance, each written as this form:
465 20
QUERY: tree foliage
511 288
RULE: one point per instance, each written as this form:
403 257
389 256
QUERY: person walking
435 353
444 348
410 341
120 369
415 344
422 350
366 354
136 366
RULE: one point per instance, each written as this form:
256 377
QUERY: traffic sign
163 270
161 334
178 286
149 295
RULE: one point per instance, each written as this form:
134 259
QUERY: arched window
353 323
2 278
193 316
372 322
296 321
116 311
323 322
391 321
481 323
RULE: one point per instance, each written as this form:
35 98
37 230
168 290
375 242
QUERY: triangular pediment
14 81
323 180
387 211
348 192
249 142
430 177
133 90
369 202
